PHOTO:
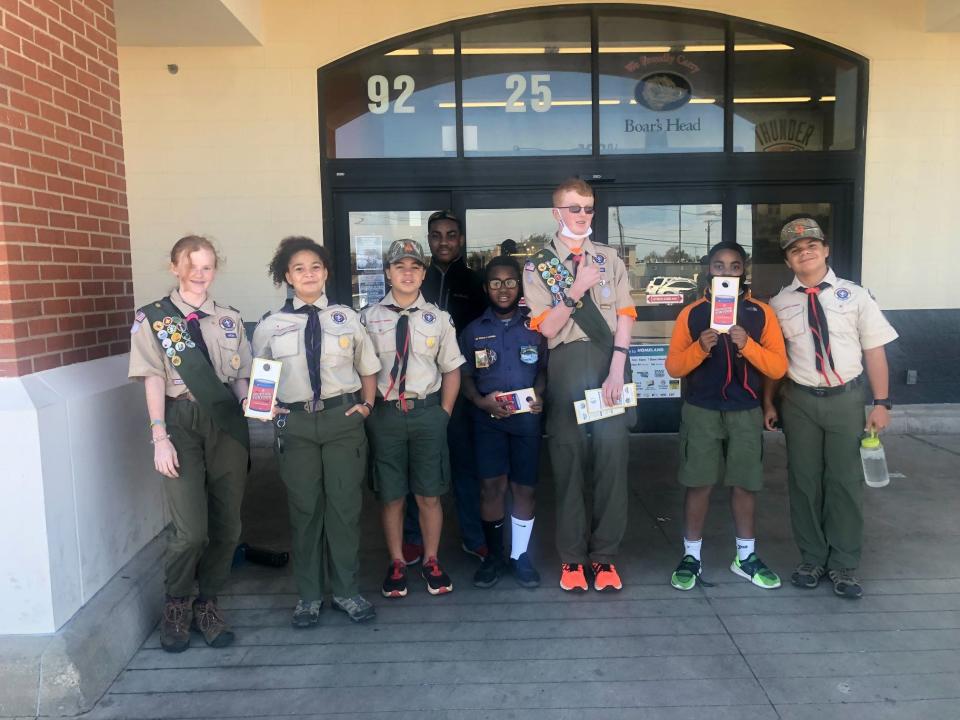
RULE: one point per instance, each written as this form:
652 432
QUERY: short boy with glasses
502 355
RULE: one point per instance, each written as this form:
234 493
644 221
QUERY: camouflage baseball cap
799 229
400 249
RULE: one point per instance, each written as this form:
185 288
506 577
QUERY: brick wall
66 293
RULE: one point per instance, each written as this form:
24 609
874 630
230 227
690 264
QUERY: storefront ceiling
942 16
188 23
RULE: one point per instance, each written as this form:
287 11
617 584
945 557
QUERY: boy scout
194 360
721 433
831 327
503 354
327 386
416 388
579 299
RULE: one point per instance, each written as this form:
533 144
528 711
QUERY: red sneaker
572 578
480 552
605 577
412 553
438 582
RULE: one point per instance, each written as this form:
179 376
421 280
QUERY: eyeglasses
576 209
509 283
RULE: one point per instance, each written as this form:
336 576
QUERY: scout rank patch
556 275
173 336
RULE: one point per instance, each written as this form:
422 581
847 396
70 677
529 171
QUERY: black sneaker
524 572
438 582
489 572
395 584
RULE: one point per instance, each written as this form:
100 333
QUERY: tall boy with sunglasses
578 293
502 355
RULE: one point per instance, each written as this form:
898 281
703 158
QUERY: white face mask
568 233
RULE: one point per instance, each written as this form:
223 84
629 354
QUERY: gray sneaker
208 621
306 614
357 608
175 624
845 584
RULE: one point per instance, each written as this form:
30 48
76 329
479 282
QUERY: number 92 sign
539 98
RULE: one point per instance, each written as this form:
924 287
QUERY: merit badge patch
338 317
529 267
227 323
843 294
429 318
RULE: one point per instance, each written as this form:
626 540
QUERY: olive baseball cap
400 249
799 229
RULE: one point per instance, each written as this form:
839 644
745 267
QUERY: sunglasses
576 209
509 283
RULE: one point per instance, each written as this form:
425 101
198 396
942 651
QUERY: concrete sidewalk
730 651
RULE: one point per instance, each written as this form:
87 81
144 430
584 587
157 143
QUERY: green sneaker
754 570
686 574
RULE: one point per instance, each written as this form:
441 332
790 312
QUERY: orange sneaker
605 577
572 577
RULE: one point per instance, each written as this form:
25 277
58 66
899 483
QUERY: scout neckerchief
398 373
558 280
182 348
728 348
820 331
313 339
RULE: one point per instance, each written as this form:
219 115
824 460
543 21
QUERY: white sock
520 531
745 546
692 547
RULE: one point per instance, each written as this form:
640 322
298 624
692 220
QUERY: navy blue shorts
501 452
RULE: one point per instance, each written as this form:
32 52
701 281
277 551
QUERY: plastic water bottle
874 461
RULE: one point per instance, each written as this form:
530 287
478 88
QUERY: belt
313 406
183 397
428 401
828 391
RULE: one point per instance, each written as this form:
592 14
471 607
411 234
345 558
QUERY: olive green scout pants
204 501
323 457
591 456
825 477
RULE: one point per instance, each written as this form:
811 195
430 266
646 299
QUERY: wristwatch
569 301
884 402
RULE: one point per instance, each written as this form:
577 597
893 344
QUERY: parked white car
653 287
678 286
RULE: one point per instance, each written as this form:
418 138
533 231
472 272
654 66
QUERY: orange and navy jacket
727 378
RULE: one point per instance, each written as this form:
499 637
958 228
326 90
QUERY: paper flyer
517 401
650 374
263 388
585 416
369 252
371 288
595 403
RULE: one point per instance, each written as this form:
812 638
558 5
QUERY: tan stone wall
229 145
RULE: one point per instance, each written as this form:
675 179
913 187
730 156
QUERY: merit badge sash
170 329
558 280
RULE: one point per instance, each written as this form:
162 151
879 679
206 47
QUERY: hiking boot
438 582
489 572
395 584
572 577
606 577
175 624
357 607
754 570
845 584
807 575
208 621
306 614
687 573
524 572
412 552
479 552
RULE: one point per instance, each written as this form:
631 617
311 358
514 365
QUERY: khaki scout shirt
433 346
854 320
612 297
222 332
346 352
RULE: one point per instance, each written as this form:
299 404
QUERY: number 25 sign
540 97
